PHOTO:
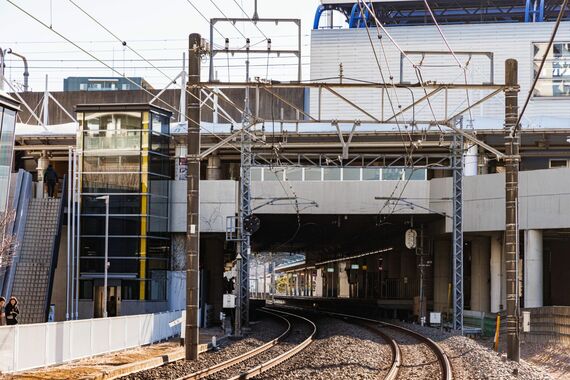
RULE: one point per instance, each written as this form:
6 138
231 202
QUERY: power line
204 17
254 23
152 65
226 17
461 66
105 64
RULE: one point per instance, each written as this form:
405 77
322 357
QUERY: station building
345 208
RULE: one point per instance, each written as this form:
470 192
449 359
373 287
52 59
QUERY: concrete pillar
319 283
470 158
214 171
344 286
441 274
496 266
533 276
480 254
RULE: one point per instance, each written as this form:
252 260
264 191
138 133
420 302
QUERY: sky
156 30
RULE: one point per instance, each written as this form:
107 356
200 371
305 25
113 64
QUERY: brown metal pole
193 217
511 200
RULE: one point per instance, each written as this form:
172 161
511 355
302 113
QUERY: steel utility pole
511 214
245 204
193 193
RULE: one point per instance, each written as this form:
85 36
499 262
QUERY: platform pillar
533 275
319 283
480 257
471 157
497 277
344 286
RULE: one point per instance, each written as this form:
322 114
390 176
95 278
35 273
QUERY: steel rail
394 347
238 359
443 360
255 371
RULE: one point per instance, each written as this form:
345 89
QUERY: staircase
37 259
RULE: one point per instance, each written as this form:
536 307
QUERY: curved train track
253 371
399 361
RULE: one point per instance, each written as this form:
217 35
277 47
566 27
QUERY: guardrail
24 347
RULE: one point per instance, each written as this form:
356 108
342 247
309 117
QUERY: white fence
24 347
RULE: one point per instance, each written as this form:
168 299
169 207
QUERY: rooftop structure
414 12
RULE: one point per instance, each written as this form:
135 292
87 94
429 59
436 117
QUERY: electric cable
111 68
254 23
461 65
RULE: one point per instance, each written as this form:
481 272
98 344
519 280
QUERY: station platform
400 308
116 364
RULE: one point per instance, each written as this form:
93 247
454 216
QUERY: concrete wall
484 200
340 197
544 200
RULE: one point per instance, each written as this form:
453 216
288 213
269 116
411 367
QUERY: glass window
331 174
159 164
111 140
94 225
312 174
130 289
392 174
111 183
416 174
558 163
160 123
160 143
123 163
370 174
351 174
94 247
156 287
294 174
554 79
86 289
115 121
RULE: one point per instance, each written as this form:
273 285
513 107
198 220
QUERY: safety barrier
24 347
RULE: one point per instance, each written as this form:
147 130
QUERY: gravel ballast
341 350
471 360
261 332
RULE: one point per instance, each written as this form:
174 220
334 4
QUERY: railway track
413 355
265 356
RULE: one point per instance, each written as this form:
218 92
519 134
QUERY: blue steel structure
414 12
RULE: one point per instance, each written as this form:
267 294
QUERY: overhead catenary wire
169 106
384 81
153 66
204 17
226 17
461 65
253 22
